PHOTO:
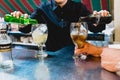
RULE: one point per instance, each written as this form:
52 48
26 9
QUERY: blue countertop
59 66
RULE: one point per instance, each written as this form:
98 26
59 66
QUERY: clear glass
39 35
6 60
78 33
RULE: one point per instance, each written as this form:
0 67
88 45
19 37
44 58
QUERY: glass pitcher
6 60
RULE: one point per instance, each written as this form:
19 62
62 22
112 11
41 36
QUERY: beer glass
78 33
39 35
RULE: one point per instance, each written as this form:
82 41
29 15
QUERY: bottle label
3 31
5 47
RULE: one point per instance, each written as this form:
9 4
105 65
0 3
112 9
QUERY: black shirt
59 34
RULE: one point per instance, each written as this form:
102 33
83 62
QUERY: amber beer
79 40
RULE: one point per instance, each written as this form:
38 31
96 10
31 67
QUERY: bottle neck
11 19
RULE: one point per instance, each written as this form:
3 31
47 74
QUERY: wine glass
39 35
78 33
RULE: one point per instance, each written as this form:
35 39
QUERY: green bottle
11 19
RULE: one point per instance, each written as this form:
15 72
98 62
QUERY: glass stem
40 52
41 48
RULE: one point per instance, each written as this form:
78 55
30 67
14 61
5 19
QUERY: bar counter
59 66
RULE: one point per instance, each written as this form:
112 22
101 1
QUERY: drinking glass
6 59
39 35
78 33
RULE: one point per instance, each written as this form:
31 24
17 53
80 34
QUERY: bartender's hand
102 13
89 49
18 14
